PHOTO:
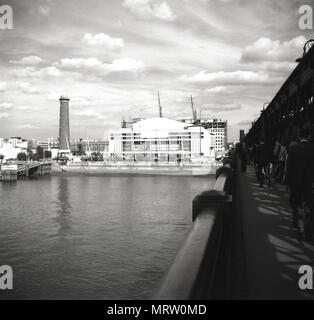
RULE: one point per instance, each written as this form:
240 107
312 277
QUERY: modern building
89 146
161 140
64 126
217 127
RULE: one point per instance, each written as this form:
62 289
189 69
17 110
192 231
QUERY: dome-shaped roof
159 124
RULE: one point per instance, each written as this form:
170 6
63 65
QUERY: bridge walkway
271 252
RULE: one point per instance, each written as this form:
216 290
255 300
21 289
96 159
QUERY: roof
158 124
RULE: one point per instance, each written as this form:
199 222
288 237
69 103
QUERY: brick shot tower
64 126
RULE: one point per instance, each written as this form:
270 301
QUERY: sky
111 57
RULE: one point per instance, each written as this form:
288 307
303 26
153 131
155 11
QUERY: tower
64 126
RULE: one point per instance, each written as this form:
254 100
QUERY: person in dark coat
262 159
243 153
300 177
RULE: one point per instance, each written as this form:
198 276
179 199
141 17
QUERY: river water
93 237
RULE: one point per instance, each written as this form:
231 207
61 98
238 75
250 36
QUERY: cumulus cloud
4 115
266 49
6 106
104 40
149 9
227 78
3 86
29 61
218 89
117 65
31 72
26 87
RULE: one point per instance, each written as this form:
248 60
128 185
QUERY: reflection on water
93 237
63 207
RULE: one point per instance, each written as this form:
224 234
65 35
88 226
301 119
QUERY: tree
30 154
39 153
21 156
47 154
1 157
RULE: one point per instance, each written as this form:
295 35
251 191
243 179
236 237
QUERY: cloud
227 78
4 115
26 126
218 89
265 49
244 123
114 44
3 86
117 65
26 87
30 72
91 113
29 61
149 9
44 10
222 107
5 106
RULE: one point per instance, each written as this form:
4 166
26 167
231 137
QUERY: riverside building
161 140
217 127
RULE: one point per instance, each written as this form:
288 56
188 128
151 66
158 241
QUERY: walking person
243 157
279 154
300 177
262 159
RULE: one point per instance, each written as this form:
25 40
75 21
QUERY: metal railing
201 267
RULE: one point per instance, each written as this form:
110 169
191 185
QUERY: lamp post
307 46
263 119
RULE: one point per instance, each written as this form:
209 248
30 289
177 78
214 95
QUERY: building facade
217 127
161 140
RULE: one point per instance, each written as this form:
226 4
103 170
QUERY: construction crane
194 114
159 105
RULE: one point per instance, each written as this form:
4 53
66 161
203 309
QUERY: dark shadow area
271 250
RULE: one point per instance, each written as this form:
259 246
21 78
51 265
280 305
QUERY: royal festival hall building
162 140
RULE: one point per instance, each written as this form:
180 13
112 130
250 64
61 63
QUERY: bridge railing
201 267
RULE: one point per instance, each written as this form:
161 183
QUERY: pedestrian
243 157
262 160
300 177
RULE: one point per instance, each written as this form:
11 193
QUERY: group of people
293 165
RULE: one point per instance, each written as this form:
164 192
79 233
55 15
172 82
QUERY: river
93 237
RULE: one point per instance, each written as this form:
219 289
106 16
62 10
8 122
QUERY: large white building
161 140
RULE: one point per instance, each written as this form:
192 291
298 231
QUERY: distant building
129 124
89 146
161 140
10 148
217 127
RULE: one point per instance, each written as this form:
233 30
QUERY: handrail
196 272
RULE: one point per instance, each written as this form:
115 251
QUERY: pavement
271 253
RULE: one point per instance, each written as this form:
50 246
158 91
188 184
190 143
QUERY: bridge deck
272 254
